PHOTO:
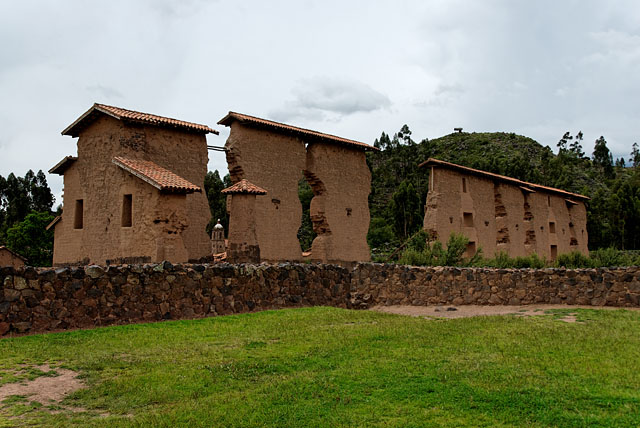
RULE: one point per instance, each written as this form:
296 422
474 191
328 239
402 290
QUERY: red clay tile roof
256 121
132 116
62 166
492 176
246 187
158 177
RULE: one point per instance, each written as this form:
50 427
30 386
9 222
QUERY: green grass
319 367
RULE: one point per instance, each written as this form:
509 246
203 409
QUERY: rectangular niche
78 221
127 210
467 219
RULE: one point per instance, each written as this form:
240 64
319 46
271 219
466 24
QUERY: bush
421 253
574 260
611 257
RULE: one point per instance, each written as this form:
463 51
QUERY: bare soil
450 311
44 389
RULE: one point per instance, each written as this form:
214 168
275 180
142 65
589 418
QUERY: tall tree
213 186
634 160
602 157
405 209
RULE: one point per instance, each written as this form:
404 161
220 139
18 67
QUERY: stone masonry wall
44 299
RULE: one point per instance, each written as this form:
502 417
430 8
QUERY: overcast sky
355 69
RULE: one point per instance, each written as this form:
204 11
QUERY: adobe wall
341 182
279 213
164 227
503 217
243 241
7 258
43 299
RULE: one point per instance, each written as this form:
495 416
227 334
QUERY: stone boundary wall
36 300
375 284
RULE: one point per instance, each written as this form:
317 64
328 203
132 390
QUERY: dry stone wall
43 299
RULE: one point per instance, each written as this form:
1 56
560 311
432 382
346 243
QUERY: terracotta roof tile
256 121
490 175
159 177
246 187
132 116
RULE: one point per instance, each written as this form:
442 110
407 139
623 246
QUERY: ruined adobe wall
186 155
43 299
497 216
341 182
279 213
243 241
164 227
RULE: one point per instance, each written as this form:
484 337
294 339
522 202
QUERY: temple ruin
498 213
275 156
134 192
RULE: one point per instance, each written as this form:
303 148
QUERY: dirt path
449 311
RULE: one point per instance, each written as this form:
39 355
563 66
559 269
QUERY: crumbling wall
274 162
341 183
173 225
243 241
498 216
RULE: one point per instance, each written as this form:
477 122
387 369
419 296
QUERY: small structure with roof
217 239
243 242
278 156
503 214
11 258
134 192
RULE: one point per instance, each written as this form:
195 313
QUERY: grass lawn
319 367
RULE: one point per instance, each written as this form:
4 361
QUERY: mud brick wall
36 300
376 284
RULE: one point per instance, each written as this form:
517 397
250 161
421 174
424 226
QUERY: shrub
573 260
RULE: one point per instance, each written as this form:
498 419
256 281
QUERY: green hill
399 187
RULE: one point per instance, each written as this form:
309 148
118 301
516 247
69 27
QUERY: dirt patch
47 389
478 311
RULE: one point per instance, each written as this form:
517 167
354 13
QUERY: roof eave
491 176
63 165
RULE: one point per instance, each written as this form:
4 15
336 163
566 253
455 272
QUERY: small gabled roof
157 176
524 185
2 247
62 166
292 130
132 116
53 222
244 187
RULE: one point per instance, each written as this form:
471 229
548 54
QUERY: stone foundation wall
43 299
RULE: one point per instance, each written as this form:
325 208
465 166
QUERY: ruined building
498 213
134 192
275 157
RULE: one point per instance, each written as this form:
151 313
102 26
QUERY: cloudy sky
351 68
